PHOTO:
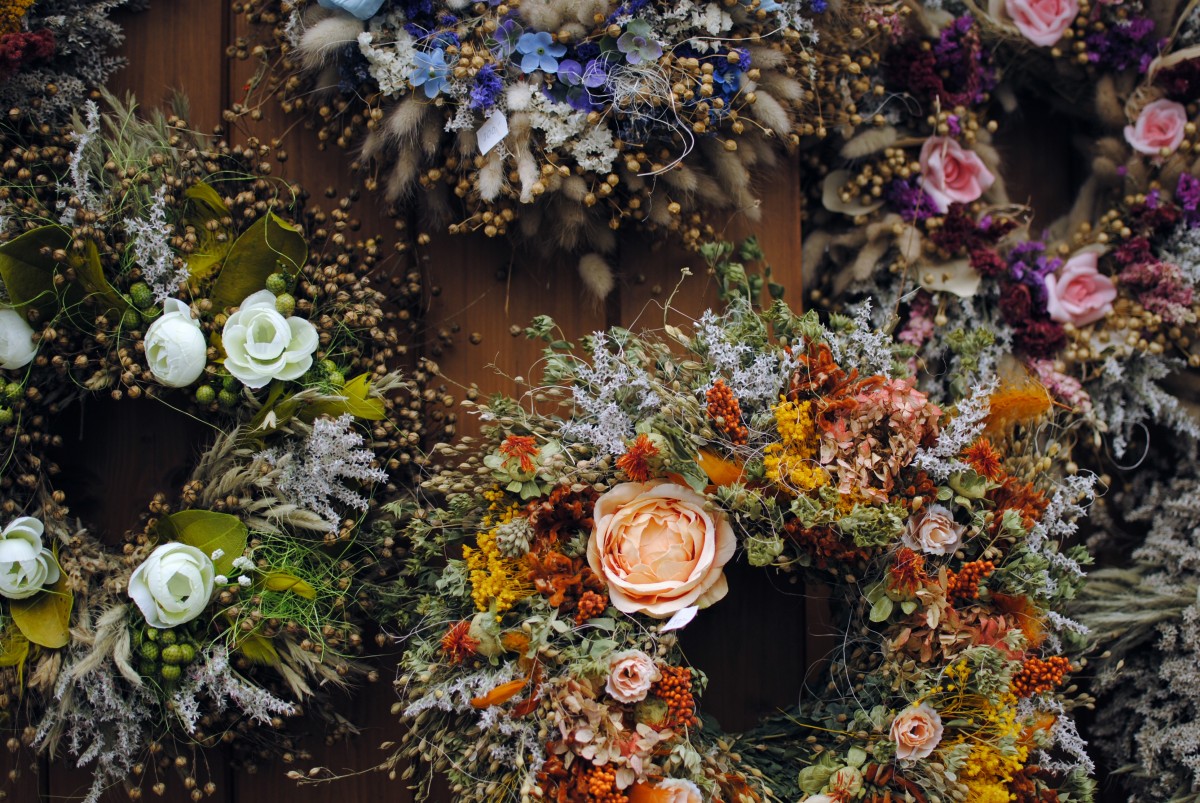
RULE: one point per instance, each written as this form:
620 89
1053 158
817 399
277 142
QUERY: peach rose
1159 128
631 673
1079 294
668 790
916 730
658 549
1040 21
933 531
950 173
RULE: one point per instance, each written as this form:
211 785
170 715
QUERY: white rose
26 567
175 347
934 531
16 340
173 585
631 673
261 344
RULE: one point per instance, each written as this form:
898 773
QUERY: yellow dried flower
791 463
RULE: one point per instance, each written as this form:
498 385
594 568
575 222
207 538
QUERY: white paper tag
680 619
494 129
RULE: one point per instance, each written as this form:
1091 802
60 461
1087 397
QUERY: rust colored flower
457 644
907 574
983 457
563 511
1023 497
565 581
521 447
1039 675
636 460
964 585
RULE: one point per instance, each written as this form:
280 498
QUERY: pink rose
1041 21
950 173
631 673
1079 294
658 549
916 730
933 531
1159 128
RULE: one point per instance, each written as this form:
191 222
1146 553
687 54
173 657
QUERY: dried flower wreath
565 121
555 560
142 261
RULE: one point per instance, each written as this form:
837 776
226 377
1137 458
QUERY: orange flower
523 448
636 460
457 644
721 472
984 458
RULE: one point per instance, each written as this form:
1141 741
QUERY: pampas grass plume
327 37
597 276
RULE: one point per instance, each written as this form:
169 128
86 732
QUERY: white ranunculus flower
16 340
261 344
175 347
173 585
26 567
363 9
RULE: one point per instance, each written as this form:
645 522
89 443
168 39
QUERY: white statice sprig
150 239
215 679
600 419
317 471
941 459
80 188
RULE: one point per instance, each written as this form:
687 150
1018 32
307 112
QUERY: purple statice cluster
1023 301
1187 195
910 201
485 91
353 70
1125 44
957 70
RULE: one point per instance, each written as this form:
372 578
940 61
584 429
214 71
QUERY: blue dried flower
431 72
539 52
504 41
638 44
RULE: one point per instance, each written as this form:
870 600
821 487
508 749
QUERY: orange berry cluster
726 413
591 605
965 583
675 689
1038 675
601 784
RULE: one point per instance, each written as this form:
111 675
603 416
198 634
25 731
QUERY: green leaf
908 606
282 581
270 245
212 248
27 268
258 650
208 531
14 651
882 609
90 275
45 618
356 399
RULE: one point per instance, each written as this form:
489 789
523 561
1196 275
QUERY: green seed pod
336 379
230 382
131 319
227 398
147 669
205 394
151 634
13 391
6 416
329 366
171 672
187 653
167 637
173 654
278 283
142 295
149 651
285 304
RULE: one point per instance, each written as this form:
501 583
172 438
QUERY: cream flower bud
26 566
16 340
175 347
261 345
173 585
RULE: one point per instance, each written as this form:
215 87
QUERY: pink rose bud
950 173
917 731
1159 128
1079 294
1042 21
631 673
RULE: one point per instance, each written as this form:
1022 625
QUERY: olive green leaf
270 245
27 268
356 400
208 531
213 244
282 581
45 618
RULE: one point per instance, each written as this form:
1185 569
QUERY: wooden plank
177 45
22 777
